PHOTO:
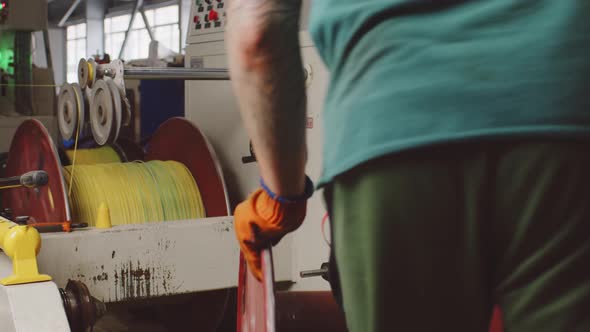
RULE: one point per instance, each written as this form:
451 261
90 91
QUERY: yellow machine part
21 244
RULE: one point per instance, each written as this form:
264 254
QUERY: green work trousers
432 239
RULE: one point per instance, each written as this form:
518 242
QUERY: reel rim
69 99
172 140
118 107
33 149
102 113
86 73
83 73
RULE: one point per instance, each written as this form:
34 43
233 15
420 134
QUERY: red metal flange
32 149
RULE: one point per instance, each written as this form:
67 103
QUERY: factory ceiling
57 8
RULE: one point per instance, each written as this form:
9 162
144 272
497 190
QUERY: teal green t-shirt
406 74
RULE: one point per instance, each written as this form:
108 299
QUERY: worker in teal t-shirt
456 156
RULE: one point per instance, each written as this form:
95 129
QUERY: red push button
196 19
213 15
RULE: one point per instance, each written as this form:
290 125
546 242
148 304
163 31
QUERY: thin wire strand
11 186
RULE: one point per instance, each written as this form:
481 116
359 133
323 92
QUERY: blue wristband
303 197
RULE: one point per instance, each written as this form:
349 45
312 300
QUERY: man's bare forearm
268 80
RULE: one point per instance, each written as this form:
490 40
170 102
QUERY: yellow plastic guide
103 219
21 244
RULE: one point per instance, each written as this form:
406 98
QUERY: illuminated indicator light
213 16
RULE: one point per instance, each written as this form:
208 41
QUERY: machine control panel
208 16
3 11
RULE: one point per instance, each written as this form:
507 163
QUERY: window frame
72 64
177 47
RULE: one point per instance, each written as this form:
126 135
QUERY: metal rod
147 24
11 181
176 73
138 6
313 273
67 15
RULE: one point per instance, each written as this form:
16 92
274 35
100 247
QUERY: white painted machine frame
131 262
30 307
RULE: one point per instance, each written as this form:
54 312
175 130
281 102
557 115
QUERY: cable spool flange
70 110
86 73
118 106
102 114
32 149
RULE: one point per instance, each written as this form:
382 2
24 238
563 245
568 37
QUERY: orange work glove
262 220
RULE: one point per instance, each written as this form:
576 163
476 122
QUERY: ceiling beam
67 15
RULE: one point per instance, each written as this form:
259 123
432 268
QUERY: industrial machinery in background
146 227
30 301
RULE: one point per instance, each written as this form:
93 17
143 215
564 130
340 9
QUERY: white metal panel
6 320
149 260
30 307
212 106
37 307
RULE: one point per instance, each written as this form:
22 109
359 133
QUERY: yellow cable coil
102 155
135 192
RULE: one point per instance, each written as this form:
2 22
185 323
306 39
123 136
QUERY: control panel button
213 15
196 19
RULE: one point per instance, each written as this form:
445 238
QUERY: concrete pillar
95 11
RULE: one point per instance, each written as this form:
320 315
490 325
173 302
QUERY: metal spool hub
81 308
70 110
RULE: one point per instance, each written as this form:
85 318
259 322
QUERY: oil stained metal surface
142 261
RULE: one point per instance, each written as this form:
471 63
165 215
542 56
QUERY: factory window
164 24
76 48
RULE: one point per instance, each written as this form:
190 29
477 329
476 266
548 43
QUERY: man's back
412 73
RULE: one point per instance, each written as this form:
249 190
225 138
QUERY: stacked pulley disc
98 99
71 114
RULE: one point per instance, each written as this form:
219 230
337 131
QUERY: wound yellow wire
134 192
101 155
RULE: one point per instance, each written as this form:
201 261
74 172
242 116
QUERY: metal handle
313 273
176 73
323 272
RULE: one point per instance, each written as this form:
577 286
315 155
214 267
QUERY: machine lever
323 272
31 179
